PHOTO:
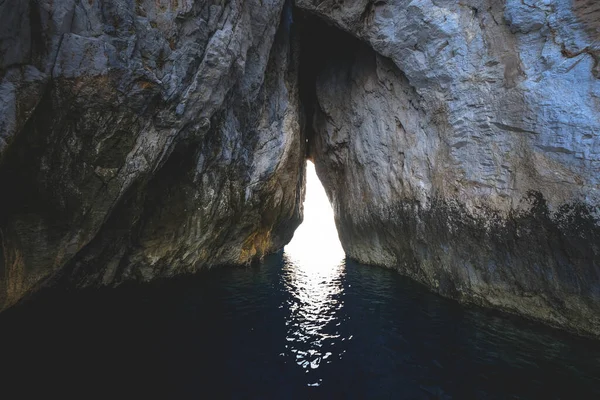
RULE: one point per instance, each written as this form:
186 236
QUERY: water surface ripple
283 330
314 316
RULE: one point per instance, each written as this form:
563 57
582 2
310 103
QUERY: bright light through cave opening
316 242
313 274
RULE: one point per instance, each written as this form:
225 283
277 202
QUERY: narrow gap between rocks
321 45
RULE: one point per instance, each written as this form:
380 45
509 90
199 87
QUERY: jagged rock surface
458 141
460 144
144 138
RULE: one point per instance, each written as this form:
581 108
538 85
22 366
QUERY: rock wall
144 138
459 142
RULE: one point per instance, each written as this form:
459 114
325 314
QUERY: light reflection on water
313 274
274 331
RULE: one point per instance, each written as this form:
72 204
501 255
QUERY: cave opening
316 241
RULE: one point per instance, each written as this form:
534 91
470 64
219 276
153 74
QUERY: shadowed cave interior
321 44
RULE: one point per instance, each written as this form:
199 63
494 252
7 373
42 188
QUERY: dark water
282 331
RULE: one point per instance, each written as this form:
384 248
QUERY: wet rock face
144 138
459 142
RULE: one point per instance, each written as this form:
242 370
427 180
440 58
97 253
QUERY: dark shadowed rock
144 138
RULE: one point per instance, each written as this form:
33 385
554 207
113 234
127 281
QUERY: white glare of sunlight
313 272
316 242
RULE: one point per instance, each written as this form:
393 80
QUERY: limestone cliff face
459 142
144 138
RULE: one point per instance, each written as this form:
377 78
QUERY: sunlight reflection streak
313 274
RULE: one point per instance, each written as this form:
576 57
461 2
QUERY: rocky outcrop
459 142
144 138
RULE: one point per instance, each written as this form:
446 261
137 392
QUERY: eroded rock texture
144 138
459 142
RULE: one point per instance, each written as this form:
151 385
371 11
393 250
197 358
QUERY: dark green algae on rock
536 263
424 178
